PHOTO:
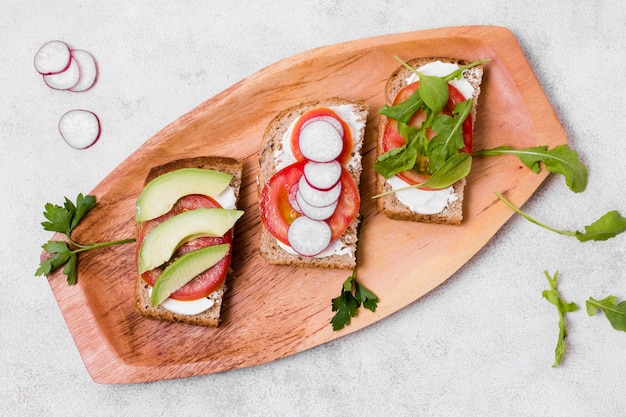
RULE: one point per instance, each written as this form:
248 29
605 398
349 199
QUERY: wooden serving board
274 311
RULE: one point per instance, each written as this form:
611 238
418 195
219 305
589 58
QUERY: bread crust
389 204
272 142
210 317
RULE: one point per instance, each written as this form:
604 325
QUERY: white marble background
479 345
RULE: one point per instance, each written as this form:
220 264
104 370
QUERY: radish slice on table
309 237
322 175
88 70
53 57
315 213
79 128
319 141
318 198
64 80
329 119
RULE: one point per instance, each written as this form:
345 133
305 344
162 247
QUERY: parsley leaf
562 307
63 219
608 226
352 296
614 312
560 160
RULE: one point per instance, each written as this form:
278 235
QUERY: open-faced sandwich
310 167
425 139
185 217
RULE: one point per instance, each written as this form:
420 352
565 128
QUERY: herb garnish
615 313
352 296
64 219
562 307
608 226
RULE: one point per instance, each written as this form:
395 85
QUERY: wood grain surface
271 311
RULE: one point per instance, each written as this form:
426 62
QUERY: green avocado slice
160 195
161 242
184 269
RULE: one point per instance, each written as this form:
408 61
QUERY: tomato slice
277 213
392 139
208 281
344 157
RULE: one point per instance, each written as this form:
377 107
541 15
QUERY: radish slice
309 237
315 213
322 175
318 198
88 70
64 80
319 141
53 57
79 128
330 119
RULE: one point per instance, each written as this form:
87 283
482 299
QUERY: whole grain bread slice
389 204
210 317
272 145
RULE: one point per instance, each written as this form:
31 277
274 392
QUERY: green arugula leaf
562 307
395 161
434 92
402 112
614 312
560 160
63 219
449 138
352 296
608 226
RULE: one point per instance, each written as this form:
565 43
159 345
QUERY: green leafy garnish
614 312
560 160
562 307
352 296
64 219
431 97
608 226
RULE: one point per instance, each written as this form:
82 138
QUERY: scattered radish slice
329 119
309 237
322 175
79 128
52 58
319 141
318 198
88 70
315 213
66 79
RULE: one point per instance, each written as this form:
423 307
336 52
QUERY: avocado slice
184 269
161 242
160 195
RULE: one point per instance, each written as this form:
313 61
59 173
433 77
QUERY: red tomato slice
392 139
208 281
277 213
344 157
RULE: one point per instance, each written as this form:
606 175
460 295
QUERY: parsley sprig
352 296
64 219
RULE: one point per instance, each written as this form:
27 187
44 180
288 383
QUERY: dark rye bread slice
210 317
272 142
389 204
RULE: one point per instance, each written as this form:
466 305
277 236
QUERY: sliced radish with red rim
322 175
318 198
53 57
66 79
315 213
329 119
319 141
309 237
79 128
88 70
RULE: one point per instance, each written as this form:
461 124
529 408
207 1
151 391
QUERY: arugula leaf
608 226
562 307
449 138
402 112
614 312
352 296
434 91
64 219
560 160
